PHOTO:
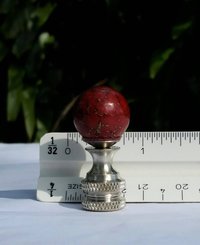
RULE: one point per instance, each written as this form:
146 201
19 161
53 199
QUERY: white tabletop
25 220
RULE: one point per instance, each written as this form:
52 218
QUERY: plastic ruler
157 166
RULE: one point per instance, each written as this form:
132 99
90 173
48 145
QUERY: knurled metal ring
103 206
103 187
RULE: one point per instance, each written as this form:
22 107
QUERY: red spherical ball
101 114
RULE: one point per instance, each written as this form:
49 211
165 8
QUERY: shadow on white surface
76 206
18 194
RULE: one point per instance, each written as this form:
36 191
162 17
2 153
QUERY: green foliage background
51 51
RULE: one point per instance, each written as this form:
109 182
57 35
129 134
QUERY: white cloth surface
25 220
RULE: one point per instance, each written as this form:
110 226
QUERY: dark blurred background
52 50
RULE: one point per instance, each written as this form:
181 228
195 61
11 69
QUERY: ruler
157 166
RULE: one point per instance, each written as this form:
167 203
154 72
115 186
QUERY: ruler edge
125 135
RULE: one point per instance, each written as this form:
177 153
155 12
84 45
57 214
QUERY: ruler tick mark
76 138
189 138
170 138
166 136
143 195
65 195
185 136
124 140
162 190
182 195
156 135
152 138
67 141
75 195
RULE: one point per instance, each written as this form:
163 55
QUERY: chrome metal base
100 144
103 188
